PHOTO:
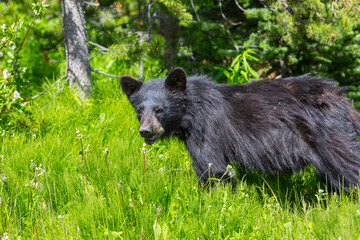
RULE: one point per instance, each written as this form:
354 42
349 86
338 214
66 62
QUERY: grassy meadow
81 172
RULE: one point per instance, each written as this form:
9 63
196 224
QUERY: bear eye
159 110
139 111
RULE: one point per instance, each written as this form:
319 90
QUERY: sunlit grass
57 185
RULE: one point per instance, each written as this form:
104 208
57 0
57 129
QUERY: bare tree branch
233 42
266 5
193 6
285 25
94 4
36 96
103 73
151 24
152 21
99 46
148 11
223 15
292 12
5 7
99 51
27 32
239 6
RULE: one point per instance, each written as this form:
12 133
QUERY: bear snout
146 132
150 128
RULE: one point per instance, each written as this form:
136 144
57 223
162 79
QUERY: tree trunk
169 28
76 45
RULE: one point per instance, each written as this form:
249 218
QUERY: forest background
54 185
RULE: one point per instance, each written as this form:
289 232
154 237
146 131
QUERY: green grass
78 197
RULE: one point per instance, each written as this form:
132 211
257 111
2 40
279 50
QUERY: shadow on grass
289 190
295 190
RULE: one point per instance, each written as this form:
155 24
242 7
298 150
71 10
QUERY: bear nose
145 132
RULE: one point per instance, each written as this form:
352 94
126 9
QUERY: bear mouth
152 139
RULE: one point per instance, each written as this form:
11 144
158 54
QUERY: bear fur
271 126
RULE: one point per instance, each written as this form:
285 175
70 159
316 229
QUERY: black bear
272 126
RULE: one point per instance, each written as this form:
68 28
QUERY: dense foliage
12 106
288 37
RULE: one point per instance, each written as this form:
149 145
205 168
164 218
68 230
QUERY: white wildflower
39 171
44 207
6 74
16 95
143 149
35 183
106 152
32 164
231 171
158 210
4 178
229 167
79 135
88 149
5 237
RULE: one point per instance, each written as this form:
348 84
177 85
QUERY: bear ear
129 85
176 80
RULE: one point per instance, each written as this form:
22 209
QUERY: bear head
160 104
